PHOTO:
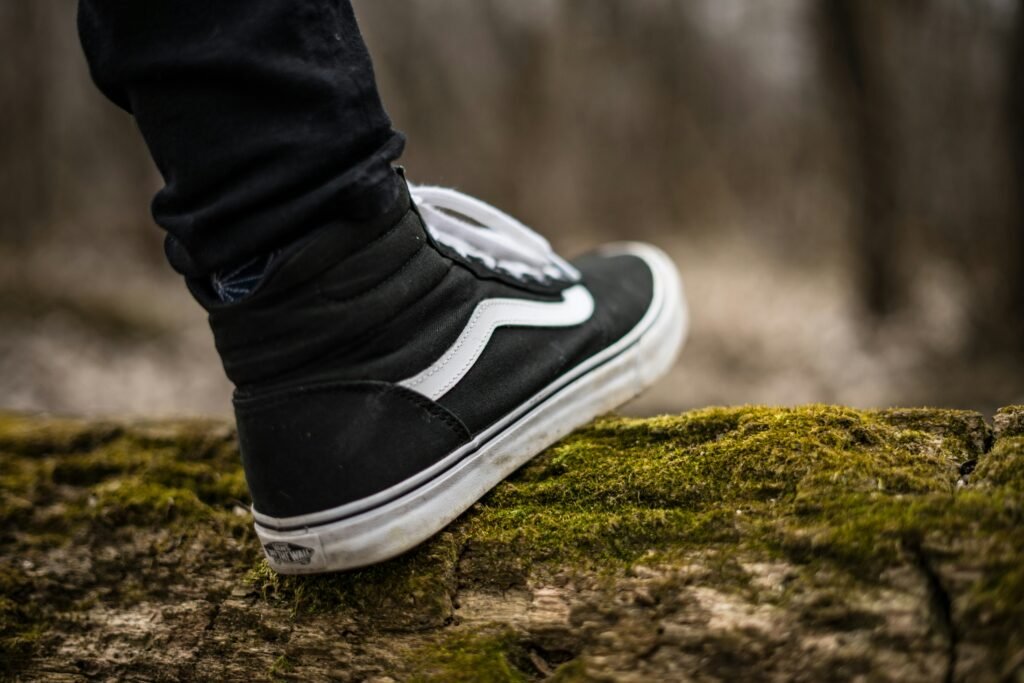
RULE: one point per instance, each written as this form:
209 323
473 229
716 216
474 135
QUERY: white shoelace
493 237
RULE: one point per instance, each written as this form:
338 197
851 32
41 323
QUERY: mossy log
815 543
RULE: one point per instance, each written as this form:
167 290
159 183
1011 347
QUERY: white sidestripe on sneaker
576 307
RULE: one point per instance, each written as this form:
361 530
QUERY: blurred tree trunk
25 161
845 30
1016 123
526 47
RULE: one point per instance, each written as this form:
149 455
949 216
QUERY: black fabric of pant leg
262 115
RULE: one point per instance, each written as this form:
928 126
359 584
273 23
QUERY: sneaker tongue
476 229
494 248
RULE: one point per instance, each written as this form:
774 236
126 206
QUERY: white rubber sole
397 520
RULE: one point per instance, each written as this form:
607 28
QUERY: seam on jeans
364 175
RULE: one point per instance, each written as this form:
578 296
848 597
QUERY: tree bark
816 543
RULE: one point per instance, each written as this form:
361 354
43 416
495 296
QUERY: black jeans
262 115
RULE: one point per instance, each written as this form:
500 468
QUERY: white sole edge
388 530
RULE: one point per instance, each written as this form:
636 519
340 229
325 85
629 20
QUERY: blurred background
840 181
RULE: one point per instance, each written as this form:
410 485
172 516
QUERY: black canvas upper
316 352
310 448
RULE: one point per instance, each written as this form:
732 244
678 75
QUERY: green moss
133 500
195 437
996 600
1004 465
217 483
863 533
857 492
411 592
621 488
21 620
60 477
19 483
810 483
804 482
471 657
281 667
964 430
112 515
571 672
1009 421
38 435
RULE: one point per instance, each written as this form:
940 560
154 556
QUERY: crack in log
940 605
214 613
457 585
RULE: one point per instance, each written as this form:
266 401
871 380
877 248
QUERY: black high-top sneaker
390 373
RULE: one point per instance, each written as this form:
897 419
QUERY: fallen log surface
814 543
